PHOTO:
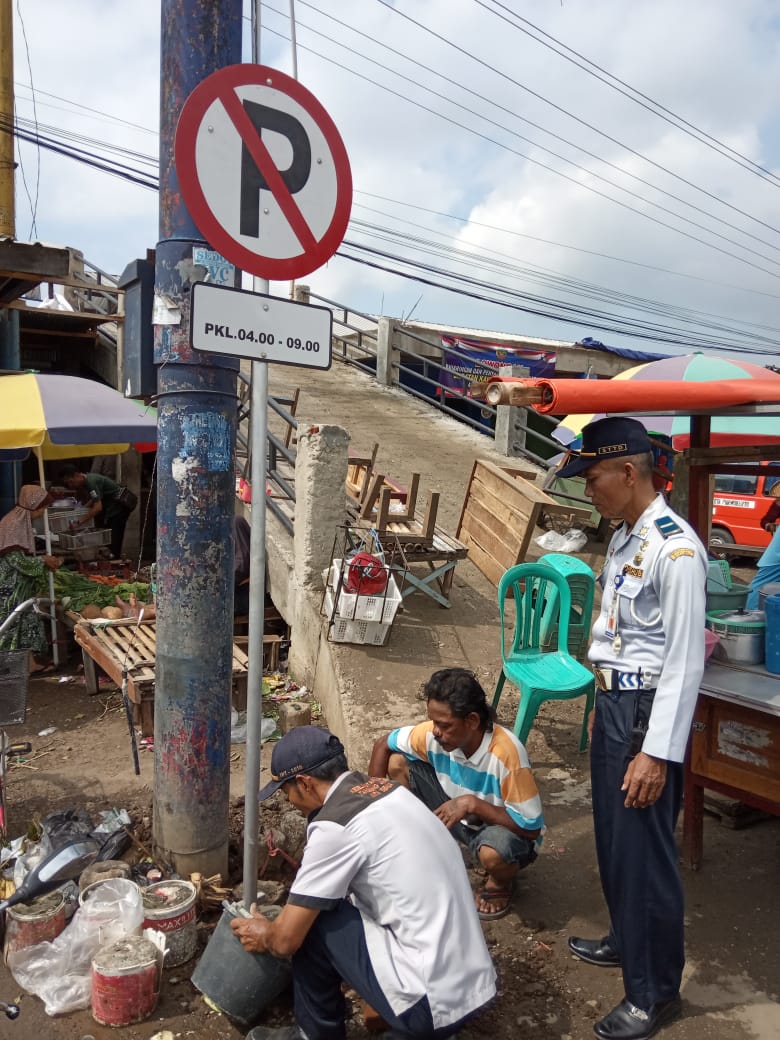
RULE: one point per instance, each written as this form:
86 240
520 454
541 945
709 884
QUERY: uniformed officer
648 656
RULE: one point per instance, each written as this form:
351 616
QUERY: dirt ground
731 982
731 986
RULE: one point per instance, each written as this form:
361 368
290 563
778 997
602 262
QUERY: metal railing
281 487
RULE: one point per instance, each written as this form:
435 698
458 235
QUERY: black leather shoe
595 951
626 1022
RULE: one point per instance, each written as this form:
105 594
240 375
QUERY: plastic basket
719 576
345 630
59 522
14 679
86 539
354 607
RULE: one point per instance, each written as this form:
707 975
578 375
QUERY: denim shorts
511 847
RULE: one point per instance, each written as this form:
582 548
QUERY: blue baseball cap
299 751
610 438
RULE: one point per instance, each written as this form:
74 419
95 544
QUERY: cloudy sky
514 150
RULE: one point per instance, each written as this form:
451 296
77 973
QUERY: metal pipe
254 700
196 490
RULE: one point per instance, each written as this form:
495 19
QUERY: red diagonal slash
267 167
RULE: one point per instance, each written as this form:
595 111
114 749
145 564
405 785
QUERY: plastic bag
60 972
238 727
571 541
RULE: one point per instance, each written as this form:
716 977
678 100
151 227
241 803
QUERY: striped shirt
498 772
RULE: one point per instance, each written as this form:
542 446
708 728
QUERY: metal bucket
169 906
27 924
125 981
238 982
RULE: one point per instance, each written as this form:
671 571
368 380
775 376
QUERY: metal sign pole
254 703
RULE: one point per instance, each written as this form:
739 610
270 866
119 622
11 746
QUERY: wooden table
735 746
116 645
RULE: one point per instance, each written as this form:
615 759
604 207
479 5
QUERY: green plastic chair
582 586
540 675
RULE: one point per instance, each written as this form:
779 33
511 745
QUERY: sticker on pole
263 171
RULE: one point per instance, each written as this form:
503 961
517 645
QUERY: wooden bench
114 645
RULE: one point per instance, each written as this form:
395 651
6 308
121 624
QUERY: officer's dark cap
611 438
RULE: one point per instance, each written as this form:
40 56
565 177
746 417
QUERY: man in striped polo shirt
474 775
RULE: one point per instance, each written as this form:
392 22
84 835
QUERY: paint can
125 981
236 981
169 906
39 920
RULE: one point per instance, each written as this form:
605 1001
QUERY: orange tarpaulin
564 396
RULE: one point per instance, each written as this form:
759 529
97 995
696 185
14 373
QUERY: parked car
739 503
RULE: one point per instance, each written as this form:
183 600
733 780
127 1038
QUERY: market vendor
101 494
475 776
768 565
379 902
23 575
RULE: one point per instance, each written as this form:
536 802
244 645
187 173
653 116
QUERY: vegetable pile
75 591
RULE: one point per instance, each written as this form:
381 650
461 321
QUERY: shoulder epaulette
667 527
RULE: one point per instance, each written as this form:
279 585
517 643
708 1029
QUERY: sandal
502 896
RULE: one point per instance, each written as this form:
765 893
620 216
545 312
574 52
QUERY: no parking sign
263 171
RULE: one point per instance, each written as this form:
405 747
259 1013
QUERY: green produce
75 591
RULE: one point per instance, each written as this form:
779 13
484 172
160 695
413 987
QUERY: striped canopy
66 416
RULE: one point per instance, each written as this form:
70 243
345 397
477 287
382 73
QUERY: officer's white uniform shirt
655 587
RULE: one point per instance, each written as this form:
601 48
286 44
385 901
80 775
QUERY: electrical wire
624 205
547 101
592 68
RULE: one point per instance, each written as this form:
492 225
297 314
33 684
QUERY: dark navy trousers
637 856
335 949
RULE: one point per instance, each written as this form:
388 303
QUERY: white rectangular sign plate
260 327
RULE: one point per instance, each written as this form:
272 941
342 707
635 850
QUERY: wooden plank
478 534
504 490
466 498
489 567
501 507
429 519
504 529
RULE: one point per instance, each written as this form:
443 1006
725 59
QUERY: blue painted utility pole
197 412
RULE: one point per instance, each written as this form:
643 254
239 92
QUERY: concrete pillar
320 500
301 293
512 420
386 375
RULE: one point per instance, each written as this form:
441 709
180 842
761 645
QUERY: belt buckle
601 679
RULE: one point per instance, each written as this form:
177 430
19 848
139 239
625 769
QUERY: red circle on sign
220 86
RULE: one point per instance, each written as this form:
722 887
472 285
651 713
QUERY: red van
739 503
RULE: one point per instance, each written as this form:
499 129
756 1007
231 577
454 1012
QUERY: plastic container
125 981
741 634
86 539
39 920
772 589
169 906
343 630
772 645
59 522
240 983
354 607
727 599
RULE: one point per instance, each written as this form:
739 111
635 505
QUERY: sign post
266 178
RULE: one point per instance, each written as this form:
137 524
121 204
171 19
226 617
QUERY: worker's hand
455 810
52 562
644 781
591 723
252 932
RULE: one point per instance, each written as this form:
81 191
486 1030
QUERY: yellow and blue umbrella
62 416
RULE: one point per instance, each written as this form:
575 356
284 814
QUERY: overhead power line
592 68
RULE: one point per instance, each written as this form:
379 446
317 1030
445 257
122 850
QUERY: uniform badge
681 552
